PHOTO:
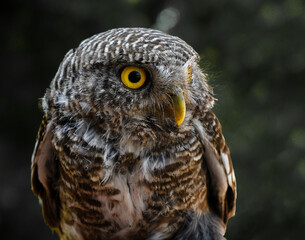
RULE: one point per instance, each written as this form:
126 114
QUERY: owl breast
146 195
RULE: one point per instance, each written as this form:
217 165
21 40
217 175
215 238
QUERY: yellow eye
133 77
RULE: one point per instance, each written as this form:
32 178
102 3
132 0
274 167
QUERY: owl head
130 80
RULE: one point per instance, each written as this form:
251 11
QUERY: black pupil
134 76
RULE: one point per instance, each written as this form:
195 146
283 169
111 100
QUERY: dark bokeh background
256 54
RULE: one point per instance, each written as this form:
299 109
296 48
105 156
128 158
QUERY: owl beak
179 107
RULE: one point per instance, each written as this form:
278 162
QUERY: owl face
144 73
142 91
130 77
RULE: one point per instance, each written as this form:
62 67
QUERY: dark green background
254 51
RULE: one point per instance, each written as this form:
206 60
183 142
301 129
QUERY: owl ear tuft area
45 175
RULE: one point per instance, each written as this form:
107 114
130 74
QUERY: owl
129 147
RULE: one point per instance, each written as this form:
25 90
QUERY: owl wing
45 174
221 183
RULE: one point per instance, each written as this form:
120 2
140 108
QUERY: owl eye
133 77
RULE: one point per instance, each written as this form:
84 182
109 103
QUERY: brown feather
45 175
221 184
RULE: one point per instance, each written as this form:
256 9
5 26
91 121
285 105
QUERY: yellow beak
179 107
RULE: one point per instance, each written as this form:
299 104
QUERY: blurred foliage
255 54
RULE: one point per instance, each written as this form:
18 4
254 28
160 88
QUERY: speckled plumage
111 163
